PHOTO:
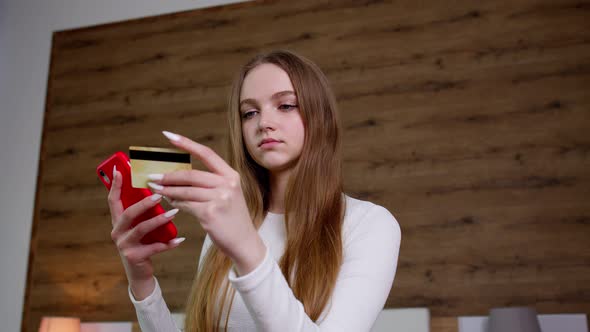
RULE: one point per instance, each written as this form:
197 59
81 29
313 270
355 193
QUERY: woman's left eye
287 106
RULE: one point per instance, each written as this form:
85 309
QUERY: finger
183 193
199 209
143 228
193 178
114 197
134 211
210 159
185 206
143 251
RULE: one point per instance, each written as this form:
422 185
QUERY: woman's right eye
247 115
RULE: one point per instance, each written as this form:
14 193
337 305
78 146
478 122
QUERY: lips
267 140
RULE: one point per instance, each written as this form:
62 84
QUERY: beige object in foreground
60 324
150 160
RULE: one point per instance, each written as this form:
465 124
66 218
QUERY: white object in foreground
407 320
549 323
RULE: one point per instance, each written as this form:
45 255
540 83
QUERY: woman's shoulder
363 217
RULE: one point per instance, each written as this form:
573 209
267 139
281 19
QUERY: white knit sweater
264 301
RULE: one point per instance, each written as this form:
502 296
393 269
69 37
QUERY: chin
273 167
278 166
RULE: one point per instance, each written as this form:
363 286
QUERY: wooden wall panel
468 120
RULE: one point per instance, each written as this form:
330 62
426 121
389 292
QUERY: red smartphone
130 196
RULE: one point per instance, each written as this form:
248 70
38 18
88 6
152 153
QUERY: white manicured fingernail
171 136
156 177
155 197
155 186
177 240
170 213
114 171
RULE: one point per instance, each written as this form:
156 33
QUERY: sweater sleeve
152 312
371 250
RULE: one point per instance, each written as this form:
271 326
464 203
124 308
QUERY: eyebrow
274 96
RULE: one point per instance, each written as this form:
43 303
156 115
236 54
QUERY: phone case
130 196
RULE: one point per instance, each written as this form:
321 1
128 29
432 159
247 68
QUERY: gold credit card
148 160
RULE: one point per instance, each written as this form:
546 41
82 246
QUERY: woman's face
269 110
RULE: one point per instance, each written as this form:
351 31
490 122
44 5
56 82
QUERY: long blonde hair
314 203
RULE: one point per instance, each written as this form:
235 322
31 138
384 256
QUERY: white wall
25 41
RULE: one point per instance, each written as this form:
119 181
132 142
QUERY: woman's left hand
217 200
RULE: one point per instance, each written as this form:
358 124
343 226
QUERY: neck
278 185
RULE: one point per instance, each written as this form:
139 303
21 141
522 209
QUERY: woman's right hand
134 254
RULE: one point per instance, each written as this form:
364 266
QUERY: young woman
286 249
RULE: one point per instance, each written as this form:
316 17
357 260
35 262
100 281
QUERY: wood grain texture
444 324
468 120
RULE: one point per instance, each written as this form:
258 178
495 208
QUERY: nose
265 120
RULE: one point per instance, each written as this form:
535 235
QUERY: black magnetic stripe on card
160 156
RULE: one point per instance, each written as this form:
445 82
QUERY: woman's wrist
142 288
251 257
